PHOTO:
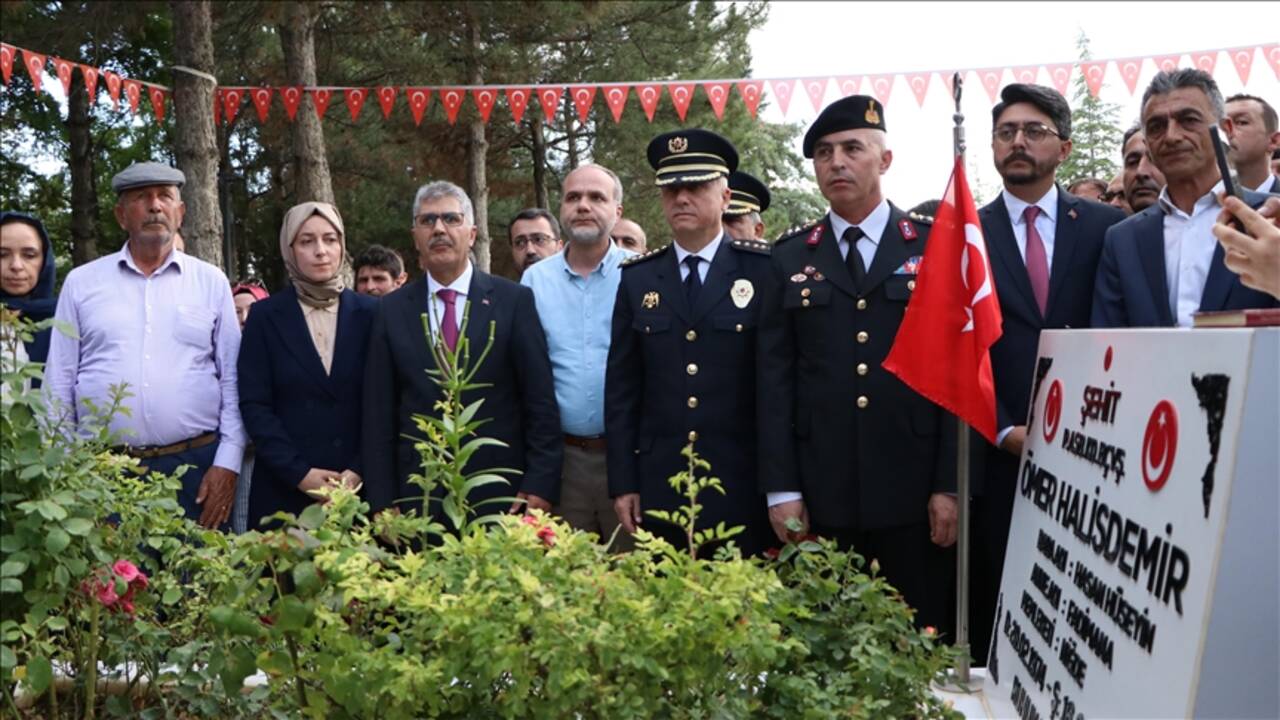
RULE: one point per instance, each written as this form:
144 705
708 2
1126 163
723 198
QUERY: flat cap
147 173
746 194
851 113
691 156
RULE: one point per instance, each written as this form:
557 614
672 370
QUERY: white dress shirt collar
461 284
872 226
1204 202
1048 205
708 252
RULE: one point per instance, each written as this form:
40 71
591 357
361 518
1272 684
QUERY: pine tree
1095 132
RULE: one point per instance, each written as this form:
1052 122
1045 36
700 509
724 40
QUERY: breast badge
741 293
650 300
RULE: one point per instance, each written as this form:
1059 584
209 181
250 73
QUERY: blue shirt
576 315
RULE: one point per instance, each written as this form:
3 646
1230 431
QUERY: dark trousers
199 460
910 562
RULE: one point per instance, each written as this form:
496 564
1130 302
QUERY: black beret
746 194
851 113
691 156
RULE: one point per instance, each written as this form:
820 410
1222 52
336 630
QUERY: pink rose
547 535
529 520
125 570
106 593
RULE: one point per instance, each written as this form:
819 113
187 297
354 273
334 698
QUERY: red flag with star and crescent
953 316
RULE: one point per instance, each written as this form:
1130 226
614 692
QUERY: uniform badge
910 267
908 230
872 116
741 293
819 276
677 144
799 278
650 300
814 236
1072 213
809 269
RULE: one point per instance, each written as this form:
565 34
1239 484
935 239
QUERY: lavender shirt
171 337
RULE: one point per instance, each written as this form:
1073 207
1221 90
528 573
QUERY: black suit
519 397
865 450
1077 243
297 416
677 374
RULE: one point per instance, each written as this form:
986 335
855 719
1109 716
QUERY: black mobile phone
1220 150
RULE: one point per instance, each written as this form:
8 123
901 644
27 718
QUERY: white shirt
1046 221
872 227
1266 186
1188 251
707 253
461 285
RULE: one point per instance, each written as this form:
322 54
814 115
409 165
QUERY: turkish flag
133 91
387 99
90 75
649 96
583 96
355 101
320 98
718 96
451 98
1242 58
750 91
518 100
954 314
291 96
6 61
113 87
1094 72
681 95
62 68
419 99
484 99
35 67
549 99
157 102
261 98
615 96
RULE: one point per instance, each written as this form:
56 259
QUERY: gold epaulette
798 230
645 256
926 219
755 246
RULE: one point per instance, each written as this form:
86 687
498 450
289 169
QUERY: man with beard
535 235
575 291
1044 246
1162 265
514 379
628 235
844 446
1253 135
1143 181
682 363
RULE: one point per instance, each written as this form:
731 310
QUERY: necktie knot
692 281
1030 214
692 262
857 266
448 295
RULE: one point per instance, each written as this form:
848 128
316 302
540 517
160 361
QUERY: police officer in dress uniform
748 199
846 448
682 356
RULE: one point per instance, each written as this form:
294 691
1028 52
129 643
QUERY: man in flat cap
682 355
748 198
1044 245
163 323
846 449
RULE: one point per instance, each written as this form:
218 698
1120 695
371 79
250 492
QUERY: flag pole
961 679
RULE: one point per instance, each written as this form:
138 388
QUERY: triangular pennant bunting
484 98
718 96
231 99
518 100
881 87
1025 74
261 98
649 96
1242 58
549 99
355 98
681 95
817 90
157 102
34 63
1094 72
1206 60
320 98
1166 63
782 91
62 68
90 75
113 86
949 81
848 85
1130 69
6 62
1060 76
451 98
133 91
750 91
919 84
990 79
387 99
583 96
615 96
1272 54
292 98
419 98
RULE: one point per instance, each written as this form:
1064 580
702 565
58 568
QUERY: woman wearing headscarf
27 277
301 370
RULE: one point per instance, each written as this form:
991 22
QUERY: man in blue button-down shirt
574 291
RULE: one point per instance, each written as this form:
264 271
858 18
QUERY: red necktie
1037 261
449 324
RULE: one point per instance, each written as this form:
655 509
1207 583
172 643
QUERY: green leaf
306 579
12 568
7 657
240 664
57 622
78 526
57 540
293 613
39 673
11 543
171 596
312 517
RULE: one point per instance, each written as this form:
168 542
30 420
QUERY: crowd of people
606 359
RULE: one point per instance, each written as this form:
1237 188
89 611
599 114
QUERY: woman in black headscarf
27 275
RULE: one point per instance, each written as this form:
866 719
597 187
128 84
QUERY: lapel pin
1072 213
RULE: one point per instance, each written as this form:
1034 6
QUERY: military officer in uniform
748 199
682 355
846 449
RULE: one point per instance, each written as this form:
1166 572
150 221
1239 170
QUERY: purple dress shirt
172 338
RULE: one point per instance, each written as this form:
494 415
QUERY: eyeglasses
520 242
1108 196
428 220
1034 132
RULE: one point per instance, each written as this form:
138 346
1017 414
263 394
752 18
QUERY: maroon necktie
1037 261
449 324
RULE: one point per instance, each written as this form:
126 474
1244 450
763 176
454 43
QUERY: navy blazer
1131 288
1077 245
297 416
518 393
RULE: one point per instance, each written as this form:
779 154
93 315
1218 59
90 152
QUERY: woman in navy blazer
301 370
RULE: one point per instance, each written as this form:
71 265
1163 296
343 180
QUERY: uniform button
863 336
738 327
862 368
692 369
691 335
911 284
693 436
862 401
806 292
646 328
805 302
693 402
862 304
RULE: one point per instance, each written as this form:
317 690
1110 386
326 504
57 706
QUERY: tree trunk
477 149
195 136
541 197
310 163
84 191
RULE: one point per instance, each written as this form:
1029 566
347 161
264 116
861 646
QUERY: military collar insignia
814 236
907 229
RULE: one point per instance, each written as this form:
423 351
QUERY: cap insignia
872 116
678 144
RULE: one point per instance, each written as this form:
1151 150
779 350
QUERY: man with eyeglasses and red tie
515 376
1044 245
535 235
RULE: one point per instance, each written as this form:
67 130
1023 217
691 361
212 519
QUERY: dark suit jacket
865 468
1077 246
297 416
1131 289
519 397
676 370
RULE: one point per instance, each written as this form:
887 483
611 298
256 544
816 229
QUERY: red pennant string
419 98
881 87
1166 63
919 84
1094 72
291 96
62 68
518 100
1272 54
1242 58
355 98
1130 69
320 98
133 91
6 62
615 96
718 96
484 99
849 85
782 91
113 86
157 102
387 99
990 78
681 96
231 99
34 63
1206 60
1025 74
451 98
817 90
549 98
261 98
90 75
649 96
583 96
1060 76
949 80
